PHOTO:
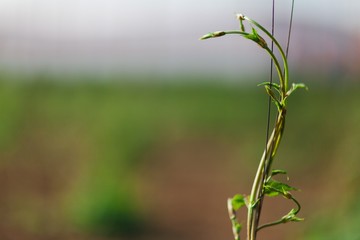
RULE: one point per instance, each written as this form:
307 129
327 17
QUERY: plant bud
257 38
213 35
240 17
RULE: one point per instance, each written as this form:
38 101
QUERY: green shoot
264 184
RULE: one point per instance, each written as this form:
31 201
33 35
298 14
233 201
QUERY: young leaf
299 85
277 171
273 188
296 219
238 201
236 229
271 192
291 217
269 84
294 87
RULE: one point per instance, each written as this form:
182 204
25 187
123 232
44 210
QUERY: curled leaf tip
213 35
240 17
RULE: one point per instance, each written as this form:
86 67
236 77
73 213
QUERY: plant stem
256 196
283 56
282 220
283 78
263 172
265 165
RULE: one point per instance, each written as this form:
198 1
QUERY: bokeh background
116 122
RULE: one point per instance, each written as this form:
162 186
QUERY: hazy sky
157 35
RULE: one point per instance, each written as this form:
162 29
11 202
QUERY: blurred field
155 160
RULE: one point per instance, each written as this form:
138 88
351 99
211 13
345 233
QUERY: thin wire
271 76
272 64
269 100
290 27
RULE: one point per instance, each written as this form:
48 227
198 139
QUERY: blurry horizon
135 37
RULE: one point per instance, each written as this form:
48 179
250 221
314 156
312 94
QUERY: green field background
127 158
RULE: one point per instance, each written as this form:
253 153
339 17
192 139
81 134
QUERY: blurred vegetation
73 151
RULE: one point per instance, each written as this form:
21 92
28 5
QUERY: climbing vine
265 183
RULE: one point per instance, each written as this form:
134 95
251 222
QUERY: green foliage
238 201
277 172
274 188
291 217
296 86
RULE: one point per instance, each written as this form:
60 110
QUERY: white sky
126 35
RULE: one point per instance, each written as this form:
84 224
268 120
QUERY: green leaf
273 97
273 188
277 171
294 87
299 85
236 227
269 84
296 219
271 193
291 217
238 201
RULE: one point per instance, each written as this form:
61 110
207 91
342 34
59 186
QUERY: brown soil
183 187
